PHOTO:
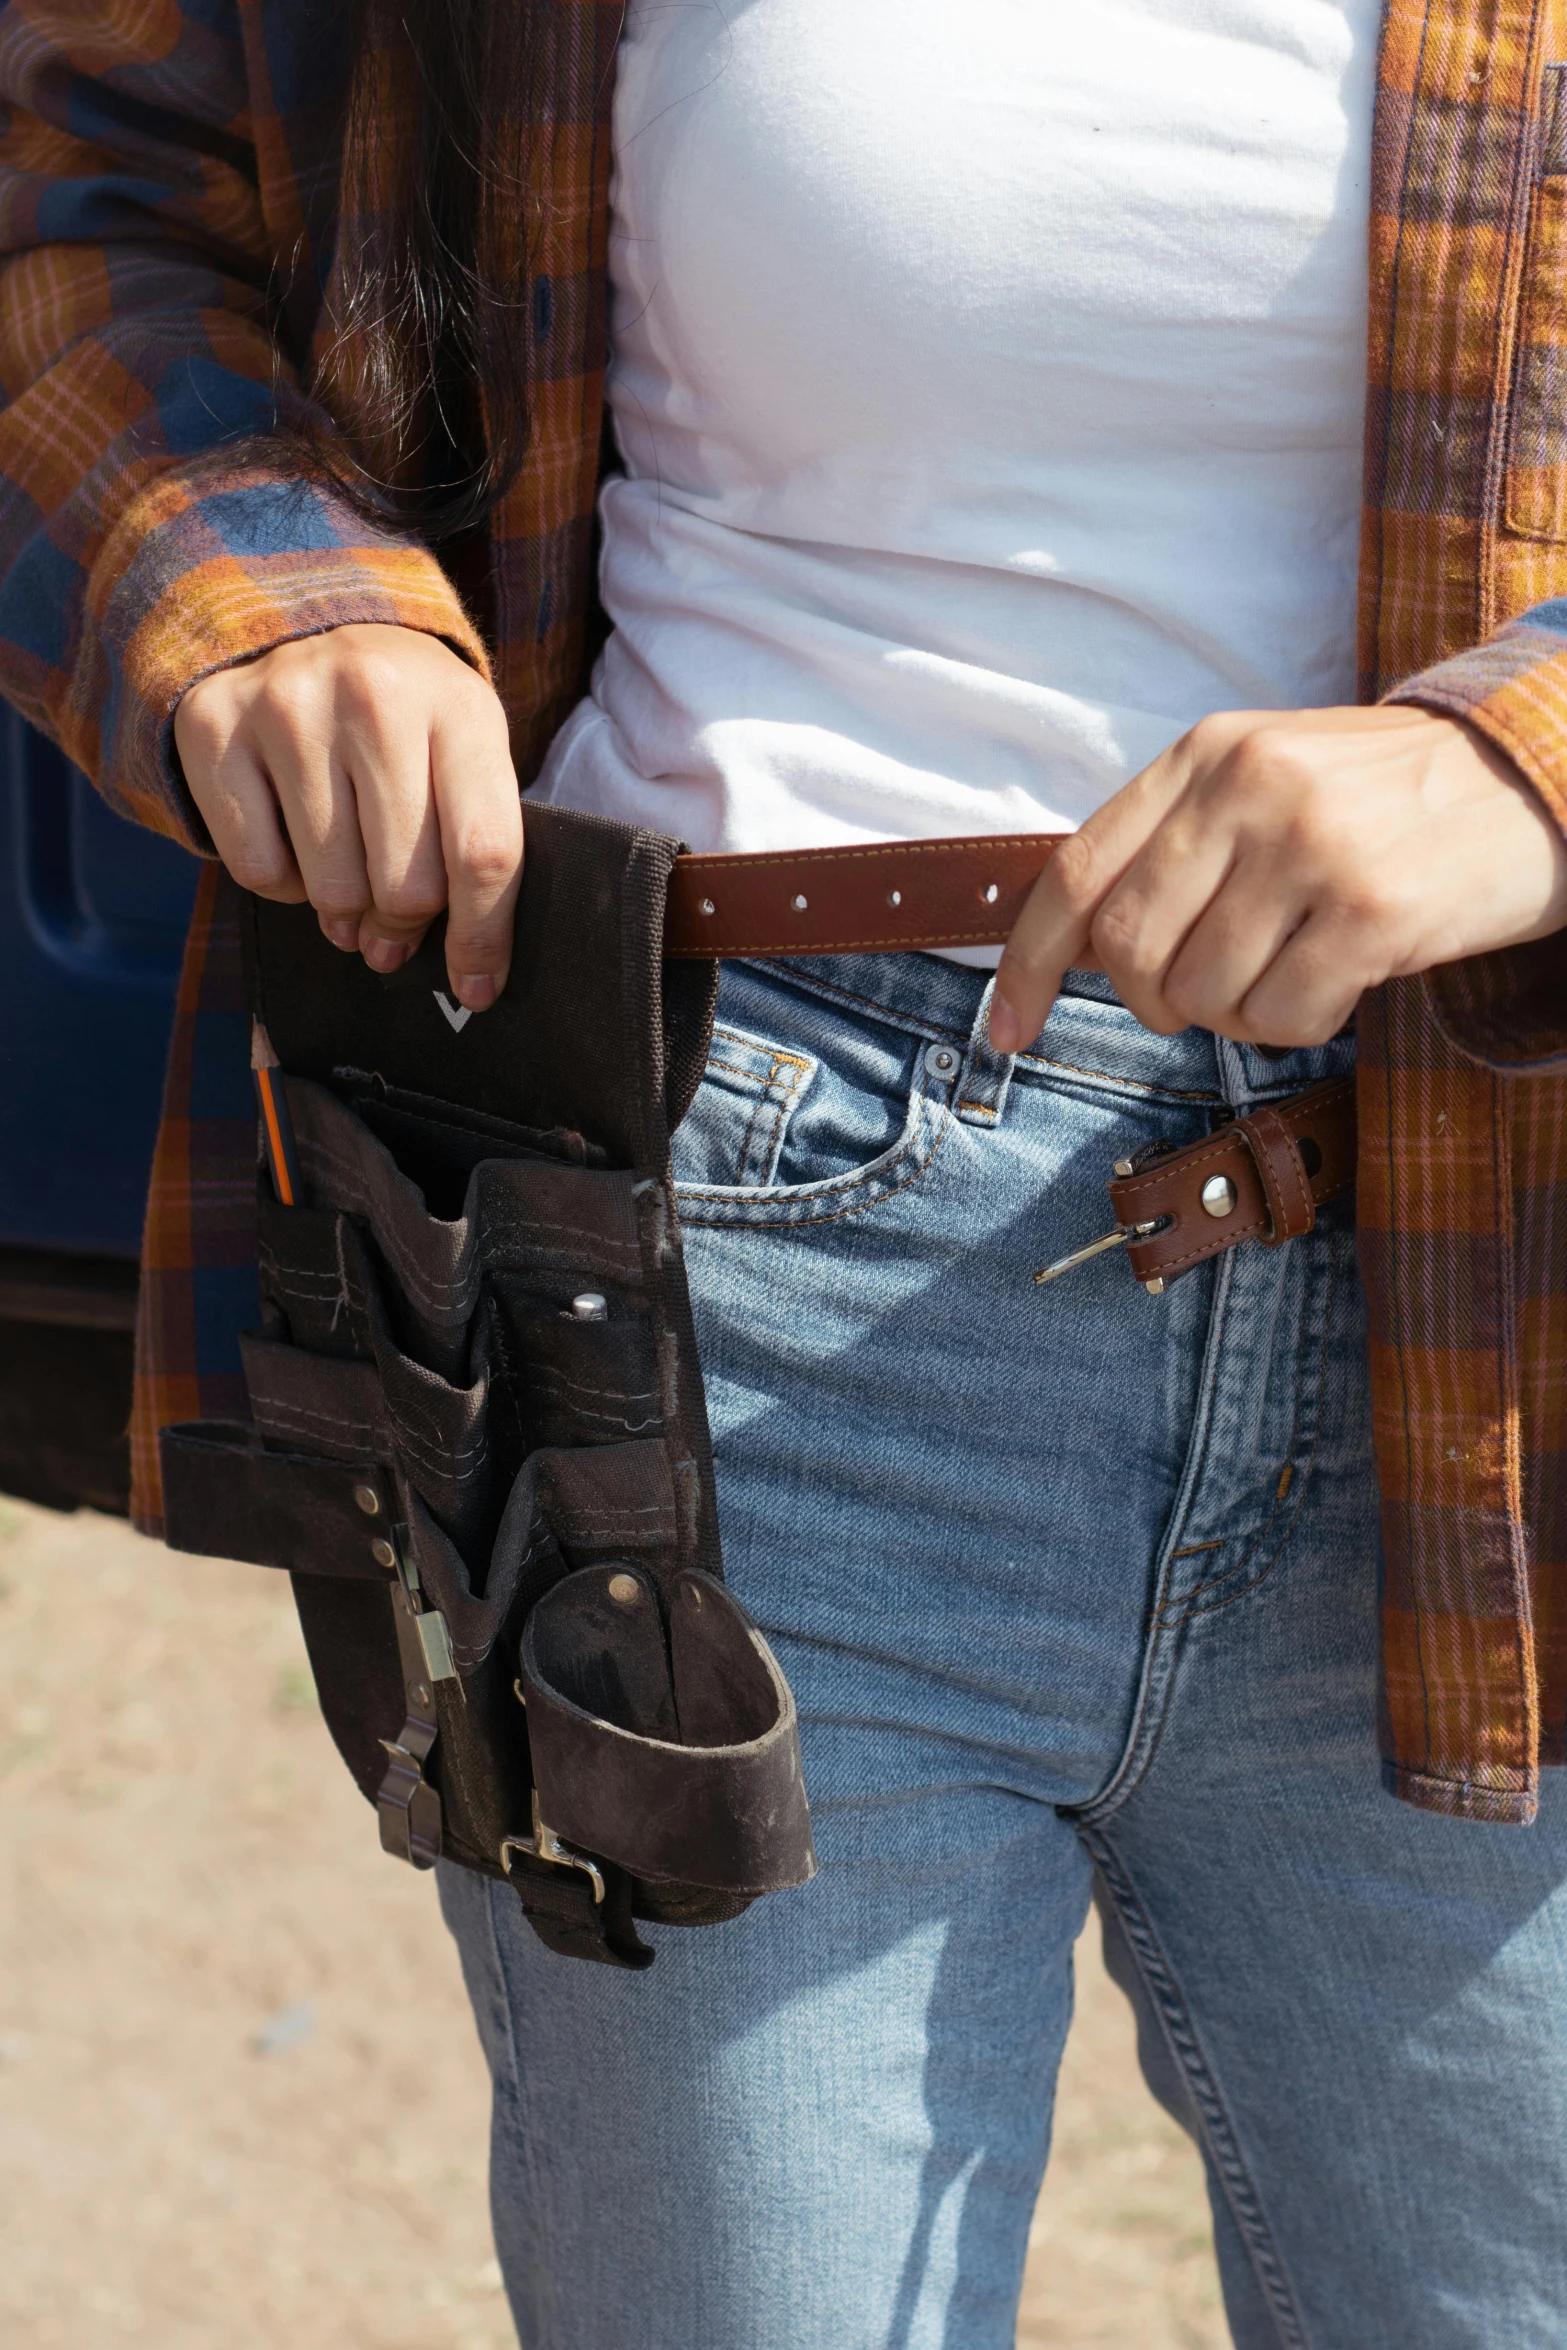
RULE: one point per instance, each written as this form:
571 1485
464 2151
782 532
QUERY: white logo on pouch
457 1015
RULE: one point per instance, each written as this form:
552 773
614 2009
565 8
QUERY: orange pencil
276 1126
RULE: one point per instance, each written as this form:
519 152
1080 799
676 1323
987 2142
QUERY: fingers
235 800
366 769
1309 989
480 817
1056 928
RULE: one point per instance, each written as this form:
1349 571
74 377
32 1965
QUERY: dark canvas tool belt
479 1442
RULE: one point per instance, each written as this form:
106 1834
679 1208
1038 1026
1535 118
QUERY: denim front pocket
734 1132
808 1109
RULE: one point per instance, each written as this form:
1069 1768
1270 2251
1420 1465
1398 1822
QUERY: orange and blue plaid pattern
168 217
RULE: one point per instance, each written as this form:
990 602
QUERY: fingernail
384 954
476 989
1004 1027
342 934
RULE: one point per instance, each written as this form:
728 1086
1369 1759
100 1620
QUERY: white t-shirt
990 383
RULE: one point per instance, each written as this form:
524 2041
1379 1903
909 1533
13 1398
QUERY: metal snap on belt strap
1261 1177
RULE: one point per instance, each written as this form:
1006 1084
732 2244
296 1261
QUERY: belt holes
894 897
990 893
799 903
1310 1155
707 907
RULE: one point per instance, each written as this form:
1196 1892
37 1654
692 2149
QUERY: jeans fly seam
1164 1625
1200 1602
1185 2045
1194 1603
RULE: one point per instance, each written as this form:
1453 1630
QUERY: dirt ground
217 2129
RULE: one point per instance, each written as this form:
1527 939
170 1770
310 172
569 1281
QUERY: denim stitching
1220 2143
906 1023
909 1025
1173 1093
1198 1604
746 1210
1189 1605
780 1095
1150 1713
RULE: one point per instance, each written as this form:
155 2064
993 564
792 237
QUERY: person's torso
990 386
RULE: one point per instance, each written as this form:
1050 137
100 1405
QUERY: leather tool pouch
479 1442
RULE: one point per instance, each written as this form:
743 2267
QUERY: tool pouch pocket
478 1439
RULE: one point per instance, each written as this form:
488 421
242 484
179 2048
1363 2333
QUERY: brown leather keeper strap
1280 1163
870 899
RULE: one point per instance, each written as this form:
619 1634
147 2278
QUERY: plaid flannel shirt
168 219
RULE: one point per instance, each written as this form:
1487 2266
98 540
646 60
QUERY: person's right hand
367 771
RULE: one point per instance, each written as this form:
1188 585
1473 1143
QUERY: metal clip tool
1098 1248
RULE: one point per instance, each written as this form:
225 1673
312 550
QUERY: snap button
368 1500
383 1553
941 1061
1219 1195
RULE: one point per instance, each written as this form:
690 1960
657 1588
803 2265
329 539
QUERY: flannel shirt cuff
211 564
1508 1010
1462 1799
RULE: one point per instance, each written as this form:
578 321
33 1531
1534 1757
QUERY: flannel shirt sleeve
148 533
1509 1009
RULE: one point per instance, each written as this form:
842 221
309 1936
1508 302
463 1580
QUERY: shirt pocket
1535 504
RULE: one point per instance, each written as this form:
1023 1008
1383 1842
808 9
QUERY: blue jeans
1073 1586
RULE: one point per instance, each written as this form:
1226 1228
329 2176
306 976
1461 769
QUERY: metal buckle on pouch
409 1808
544 1844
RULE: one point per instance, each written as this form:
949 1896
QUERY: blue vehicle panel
93 914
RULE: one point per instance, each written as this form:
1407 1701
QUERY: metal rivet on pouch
382 1552
1155 1287
625 1589
590 1305
1219 1196
941 1060
368 1499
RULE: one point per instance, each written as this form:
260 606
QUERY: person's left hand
1272 865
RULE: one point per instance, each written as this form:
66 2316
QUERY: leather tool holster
479 1442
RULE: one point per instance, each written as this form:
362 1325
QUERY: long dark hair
429 361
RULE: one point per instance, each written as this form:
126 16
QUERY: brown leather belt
864 900
1261 1177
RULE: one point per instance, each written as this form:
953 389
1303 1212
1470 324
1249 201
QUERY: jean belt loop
981 1094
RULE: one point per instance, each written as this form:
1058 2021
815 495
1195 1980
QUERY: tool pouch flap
227 1496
